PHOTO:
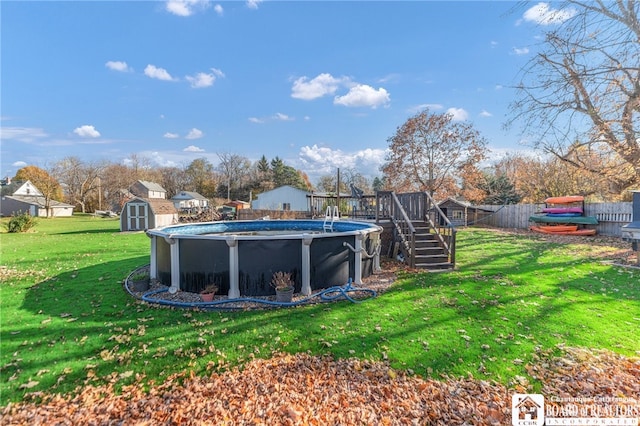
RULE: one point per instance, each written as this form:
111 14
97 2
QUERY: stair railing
401 209
442 227
389 207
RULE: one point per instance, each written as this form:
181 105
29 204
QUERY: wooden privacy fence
611 216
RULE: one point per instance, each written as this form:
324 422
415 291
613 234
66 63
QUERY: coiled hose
326 295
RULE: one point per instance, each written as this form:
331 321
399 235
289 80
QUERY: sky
320 84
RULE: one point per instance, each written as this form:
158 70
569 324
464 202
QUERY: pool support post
357 279
153 264
175 264
234 281
306 264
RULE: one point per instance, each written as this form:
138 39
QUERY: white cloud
194 134
193 148
186 7
458 114
160 159
19 164
219 10
485 113
317 161
202 79
278 116
253 4
170 135
363 96
158 73
520 51
22 134
493 43
118 66
322 85
86 131
390 78
542 14
282 117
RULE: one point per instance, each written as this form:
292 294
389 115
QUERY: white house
25 197
186 200
146 189
282 198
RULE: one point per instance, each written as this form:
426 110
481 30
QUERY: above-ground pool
240 257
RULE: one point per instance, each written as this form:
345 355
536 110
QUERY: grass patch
66 320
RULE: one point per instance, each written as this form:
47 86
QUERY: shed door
138 216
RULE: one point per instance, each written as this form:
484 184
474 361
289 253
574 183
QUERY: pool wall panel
204 262
260 259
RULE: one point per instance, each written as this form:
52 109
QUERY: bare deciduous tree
580 95
81 180
234 169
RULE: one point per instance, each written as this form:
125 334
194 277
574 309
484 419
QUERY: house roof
152 186
454 201
157 205
23 186
38 201
463 204
160 206
188 195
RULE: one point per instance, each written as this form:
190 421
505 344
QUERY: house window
457 215
286 206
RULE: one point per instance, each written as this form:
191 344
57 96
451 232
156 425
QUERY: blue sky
320 84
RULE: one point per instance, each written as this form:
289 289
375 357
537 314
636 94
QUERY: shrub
21 222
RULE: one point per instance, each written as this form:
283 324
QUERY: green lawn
67 321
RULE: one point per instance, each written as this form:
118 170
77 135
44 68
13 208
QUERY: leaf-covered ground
307 390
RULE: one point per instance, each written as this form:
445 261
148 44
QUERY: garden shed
461 213
140 213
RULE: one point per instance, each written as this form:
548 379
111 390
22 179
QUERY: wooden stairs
429 254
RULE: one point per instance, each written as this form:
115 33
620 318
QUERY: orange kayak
558 228
576 232
568 199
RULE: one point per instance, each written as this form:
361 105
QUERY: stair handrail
444 230
405 229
